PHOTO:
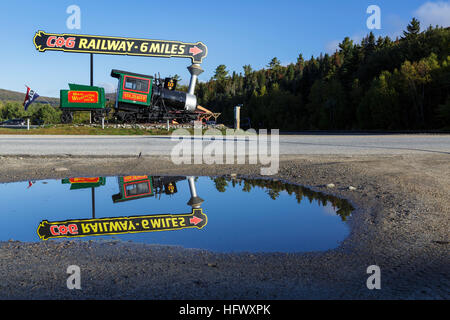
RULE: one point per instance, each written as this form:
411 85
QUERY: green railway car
134 88
84 183
134 95
83 98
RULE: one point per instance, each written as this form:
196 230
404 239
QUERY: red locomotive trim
137 195
134 96
134 178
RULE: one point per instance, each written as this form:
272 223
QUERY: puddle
221 214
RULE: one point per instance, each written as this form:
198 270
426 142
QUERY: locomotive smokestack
195 70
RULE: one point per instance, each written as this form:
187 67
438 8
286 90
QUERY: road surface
34 145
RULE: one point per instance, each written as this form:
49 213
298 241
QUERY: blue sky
236 33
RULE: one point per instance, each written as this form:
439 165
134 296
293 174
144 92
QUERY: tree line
38 113
273 189
377 84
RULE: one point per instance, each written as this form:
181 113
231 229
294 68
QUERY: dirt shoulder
401 223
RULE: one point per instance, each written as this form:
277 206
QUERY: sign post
92 69
93 202
195 70
92 81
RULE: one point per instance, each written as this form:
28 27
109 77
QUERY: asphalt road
163 145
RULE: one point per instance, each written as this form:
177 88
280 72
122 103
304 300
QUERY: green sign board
117 45
120 225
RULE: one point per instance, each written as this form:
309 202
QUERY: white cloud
434 13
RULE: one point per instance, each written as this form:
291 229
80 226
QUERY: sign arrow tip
195 50
195 220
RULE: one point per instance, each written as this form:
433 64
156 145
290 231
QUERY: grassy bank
70 129
84 130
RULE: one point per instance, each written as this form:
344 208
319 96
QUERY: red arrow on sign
195 50
195 220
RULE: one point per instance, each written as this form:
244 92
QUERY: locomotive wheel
118 116
97 117
130 118
66 117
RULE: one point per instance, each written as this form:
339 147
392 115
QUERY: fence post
237 117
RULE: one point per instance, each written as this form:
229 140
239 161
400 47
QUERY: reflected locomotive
137 187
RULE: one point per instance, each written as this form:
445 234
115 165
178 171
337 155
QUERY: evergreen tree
375 84
412 29
221 73
274 63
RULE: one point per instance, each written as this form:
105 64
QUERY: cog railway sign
121 225
119 46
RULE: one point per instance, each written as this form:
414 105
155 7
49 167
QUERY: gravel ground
401 224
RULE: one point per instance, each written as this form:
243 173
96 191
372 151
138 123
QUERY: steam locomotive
139 98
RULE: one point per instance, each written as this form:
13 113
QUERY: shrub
44 114
11 110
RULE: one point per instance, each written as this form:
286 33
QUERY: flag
30 96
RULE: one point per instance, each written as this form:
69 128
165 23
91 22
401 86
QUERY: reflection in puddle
225 214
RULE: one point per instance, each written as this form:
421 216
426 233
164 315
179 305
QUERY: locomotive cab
134 93
134 187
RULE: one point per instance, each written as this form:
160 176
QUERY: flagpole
27 117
